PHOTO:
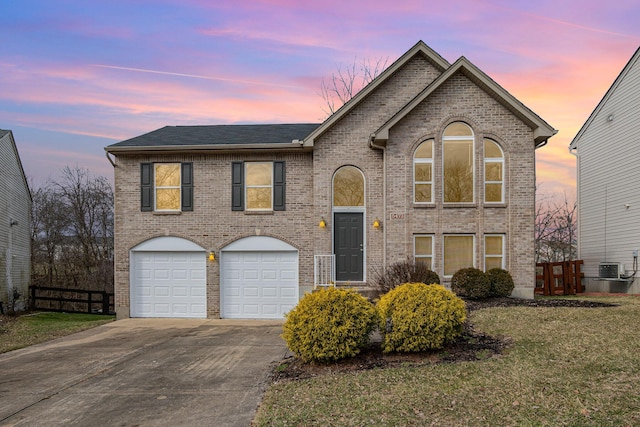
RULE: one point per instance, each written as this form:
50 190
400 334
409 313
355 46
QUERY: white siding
608 151
15 241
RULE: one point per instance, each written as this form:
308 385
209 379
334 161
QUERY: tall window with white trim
493 172
423 173
458 159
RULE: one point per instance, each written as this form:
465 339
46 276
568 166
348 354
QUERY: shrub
501 282
407 271
470 283
329 325
419 317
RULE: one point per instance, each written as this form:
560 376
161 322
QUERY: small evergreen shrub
329 324
501 282
407 271
418 317
471 283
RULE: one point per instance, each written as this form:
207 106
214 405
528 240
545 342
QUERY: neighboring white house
15 225
607 148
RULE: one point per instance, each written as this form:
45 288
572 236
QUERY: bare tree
73 231
555 229
49 225
348 81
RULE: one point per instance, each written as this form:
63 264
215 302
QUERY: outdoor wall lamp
323 223
212 256
376 224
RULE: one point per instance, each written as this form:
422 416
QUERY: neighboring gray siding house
15 224
607 148
432 160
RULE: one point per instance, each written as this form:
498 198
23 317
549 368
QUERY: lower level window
423 250
458 253
493 251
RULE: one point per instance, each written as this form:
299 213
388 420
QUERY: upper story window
423 173
258 186
166 187
493 172
458 160
348 187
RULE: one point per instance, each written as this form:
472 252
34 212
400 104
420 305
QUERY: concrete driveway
143 372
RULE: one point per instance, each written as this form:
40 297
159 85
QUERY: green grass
23 331
564 367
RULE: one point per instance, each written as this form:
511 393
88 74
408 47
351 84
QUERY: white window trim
166 187
473 249
247 186
423 161
431 257
502 255
494 160
471 138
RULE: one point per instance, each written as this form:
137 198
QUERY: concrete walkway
143 372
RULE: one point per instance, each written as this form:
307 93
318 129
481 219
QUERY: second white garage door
258 284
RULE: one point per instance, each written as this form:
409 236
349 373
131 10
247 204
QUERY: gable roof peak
420 48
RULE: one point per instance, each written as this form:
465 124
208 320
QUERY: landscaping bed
471 345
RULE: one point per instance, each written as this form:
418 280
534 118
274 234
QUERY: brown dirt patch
471 345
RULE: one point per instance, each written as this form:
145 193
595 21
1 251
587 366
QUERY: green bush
407 271
329 325
471 283
419 317
501 282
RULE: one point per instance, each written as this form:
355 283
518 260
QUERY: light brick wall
212 224
459 99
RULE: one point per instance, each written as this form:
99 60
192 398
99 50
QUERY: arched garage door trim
168 279
259 278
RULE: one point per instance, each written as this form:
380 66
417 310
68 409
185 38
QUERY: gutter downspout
106 153
372 144
574 152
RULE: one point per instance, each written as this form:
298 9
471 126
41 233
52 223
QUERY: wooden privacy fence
559 278
71 300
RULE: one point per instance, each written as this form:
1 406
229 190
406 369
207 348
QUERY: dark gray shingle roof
220 134
5 132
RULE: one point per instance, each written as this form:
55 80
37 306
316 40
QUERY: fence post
89 302
105 303
33 297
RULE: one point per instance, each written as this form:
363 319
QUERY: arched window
493 172
458 156
348 187
423 173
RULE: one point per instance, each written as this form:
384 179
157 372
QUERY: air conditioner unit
611 270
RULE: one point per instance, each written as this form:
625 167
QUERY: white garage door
259 285
168 284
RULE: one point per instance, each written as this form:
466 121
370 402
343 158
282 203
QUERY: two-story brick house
432 160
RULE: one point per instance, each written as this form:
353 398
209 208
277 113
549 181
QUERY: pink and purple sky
78 75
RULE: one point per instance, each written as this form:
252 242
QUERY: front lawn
564 366
23 331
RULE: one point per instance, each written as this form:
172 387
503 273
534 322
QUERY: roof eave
542 130
291 146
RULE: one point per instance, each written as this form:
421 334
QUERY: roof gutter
296 144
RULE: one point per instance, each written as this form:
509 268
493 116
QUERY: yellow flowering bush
418 317
329 324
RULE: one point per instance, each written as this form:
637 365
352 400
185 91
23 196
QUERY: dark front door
348 246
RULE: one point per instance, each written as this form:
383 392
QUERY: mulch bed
471 345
